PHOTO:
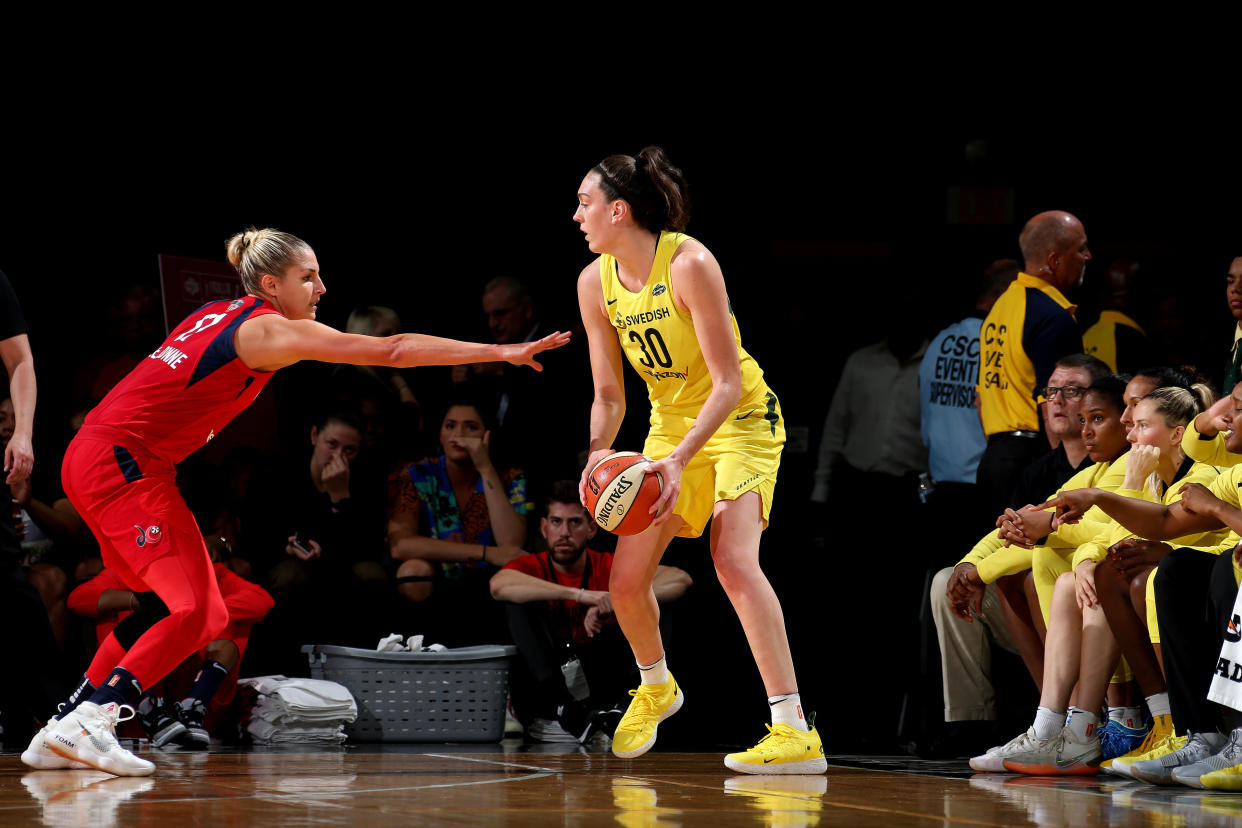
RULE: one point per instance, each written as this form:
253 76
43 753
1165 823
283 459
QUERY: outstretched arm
269 342
1145 519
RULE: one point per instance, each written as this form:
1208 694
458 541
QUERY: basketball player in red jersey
119 470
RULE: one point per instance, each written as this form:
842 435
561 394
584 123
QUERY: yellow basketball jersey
658 338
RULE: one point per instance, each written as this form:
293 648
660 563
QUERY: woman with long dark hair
657 297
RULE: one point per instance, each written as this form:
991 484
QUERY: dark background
830 234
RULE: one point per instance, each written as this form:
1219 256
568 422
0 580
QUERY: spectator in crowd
451 520
1029 328
871 436
325 543
948 417
871 457
560 616
1116 338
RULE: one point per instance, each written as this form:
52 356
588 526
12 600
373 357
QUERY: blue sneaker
1117 740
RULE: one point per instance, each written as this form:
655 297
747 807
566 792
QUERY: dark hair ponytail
655 190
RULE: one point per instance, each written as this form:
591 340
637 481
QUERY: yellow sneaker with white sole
784 750
652 704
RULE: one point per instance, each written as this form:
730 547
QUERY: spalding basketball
619 493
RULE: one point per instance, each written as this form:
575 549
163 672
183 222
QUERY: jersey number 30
652 345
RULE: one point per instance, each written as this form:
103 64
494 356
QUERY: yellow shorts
743 454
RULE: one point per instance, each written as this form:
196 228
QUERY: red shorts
131 504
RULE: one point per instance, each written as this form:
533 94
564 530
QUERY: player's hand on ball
524 353
670 469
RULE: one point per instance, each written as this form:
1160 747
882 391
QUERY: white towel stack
299 710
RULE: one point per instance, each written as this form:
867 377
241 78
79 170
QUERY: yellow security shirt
659 340
1030 327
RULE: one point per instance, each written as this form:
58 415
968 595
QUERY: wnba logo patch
150 535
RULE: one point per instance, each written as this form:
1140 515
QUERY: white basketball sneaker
40 757
88 734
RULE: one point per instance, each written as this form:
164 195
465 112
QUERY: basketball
619 493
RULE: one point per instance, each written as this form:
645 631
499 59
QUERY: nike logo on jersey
612 301
747 414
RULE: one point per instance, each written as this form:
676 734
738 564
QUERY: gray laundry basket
454 696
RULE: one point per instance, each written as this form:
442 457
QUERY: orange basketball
619 493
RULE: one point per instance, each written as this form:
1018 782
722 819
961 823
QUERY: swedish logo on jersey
658 289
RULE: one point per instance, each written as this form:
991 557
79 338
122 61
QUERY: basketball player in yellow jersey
658 297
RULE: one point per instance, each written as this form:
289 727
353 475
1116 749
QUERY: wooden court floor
464 786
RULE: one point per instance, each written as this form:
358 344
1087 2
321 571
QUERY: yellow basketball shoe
1228 779
784 750
1161 731
652 704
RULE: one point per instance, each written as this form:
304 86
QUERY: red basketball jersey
189 389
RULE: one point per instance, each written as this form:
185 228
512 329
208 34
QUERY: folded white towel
267 732
314 698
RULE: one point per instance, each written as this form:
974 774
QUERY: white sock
787 710
1158 704
655 673
1082 723
1048 723
1131 717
